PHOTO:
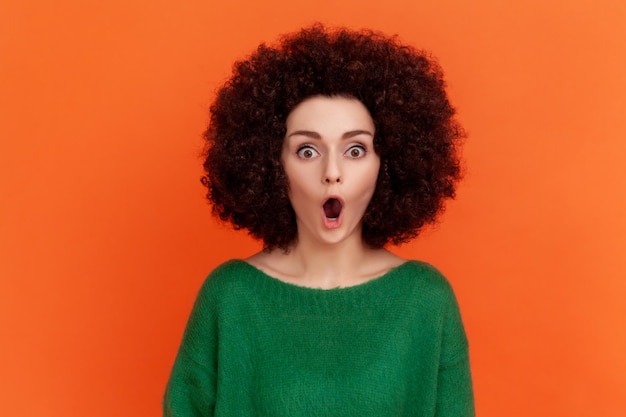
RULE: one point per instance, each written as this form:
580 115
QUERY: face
329 159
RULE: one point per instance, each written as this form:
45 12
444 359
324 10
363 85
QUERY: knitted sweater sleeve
190 391
454 384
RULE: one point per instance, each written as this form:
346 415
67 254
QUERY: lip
336 222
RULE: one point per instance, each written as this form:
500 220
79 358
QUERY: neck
330 265
315 264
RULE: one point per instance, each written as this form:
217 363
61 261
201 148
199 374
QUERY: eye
356 151
307 152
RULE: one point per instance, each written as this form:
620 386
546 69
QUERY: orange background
105 236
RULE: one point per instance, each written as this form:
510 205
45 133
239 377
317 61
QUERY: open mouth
332 208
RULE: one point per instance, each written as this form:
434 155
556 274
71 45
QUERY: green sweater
257 346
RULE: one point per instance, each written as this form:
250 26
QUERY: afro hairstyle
417 136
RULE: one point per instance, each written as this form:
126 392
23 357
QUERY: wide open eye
307 152
356 151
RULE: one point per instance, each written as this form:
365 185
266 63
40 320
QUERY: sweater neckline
364 286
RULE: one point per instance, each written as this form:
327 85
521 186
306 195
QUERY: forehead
329 115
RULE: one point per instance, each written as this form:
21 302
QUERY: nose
331 180
332 172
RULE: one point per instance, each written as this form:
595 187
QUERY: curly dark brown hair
417 137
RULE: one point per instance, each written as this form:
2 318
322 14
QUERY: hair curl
417 137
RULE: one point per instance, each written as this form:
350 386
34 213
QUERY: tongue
332 208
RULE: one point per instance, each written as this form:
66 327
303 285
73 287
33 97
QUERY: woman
327 147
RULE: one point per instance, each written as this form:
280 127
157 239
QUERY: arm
454 384
191 388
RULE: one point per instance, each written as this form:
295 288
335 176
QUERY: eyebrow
314 135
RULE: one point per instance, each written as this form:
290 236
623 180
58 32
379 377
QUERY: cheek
298 185
288 174
294 180
370 177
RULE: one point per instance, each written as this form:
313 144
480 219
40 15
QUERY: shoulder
435 294
424 275
228 270
228 277
425 285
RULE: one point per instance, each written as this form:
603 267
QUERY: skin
328 152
